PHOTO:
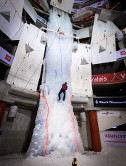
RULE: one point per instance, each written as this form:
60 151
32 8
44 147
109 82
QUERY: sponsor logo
100 79
8 58
122 52
115 135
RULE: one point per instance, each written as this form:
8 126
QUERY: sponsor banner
109 78
41 19
102 78
6 56
117 77
100 3
110 102
114 139
121 54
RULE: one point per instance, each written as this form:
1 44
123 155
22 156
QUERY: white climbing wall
26 67
11 18
103 48
81 71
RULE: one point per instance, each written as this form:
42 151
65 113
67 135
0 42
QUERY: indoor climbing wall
11 18
81 71
56 129
103 48
27 63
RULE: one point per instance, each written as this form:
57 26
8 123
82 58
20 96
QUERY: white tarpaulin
6 56
114 139
11 18
121 54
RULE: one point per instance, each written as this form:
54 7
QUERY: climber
63 89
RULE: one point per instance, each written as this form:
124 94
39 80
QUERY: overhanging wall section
11 18
104 51
103 41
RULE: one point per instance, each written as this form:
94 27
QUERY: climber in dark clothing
63 89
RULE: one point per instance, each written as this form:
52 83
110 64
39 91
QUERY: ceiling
115 5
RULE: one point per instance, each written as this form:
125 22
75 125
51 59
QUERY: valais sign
109 78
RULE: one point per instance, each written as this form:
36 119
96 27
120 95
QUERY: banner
109 78
114 139
117 77
41 19
102 78
6 56
110 102
100 3
121 54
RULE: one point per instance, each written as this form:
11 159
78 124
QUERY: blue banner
41 19
110 102
100 3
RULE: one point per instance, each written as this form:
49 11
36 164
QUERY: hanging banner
102 78
110 102
41 19
117 77
98 4
6 56
121 54
109 78
114 139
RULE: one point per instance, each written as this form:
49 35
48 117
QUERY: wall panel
26 67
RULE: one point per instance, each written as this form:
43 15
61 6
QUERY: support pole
95 136
2 110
